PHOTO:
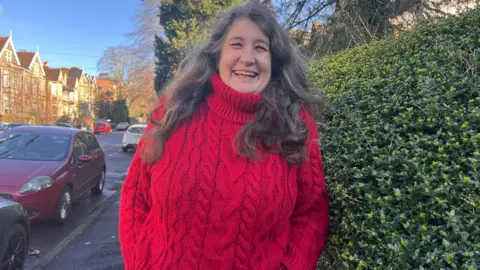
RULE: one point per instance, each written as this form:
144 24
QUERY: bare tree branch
146 26
134 75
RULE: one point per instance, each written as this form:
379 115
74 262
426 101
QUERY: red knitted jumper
202 206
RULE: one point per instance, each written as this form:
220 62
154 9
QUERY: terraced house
22 84
87 89
32 92
59 93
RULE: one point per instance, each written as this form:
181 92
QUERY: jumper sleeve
135 203
310 219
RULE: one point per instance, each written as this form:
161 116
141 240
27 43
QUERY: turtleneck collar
231 104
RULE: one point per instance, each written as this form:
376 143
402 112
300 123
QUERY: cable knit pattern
202 206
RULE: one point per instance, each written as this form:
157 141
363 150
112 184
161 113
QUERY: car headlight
36 184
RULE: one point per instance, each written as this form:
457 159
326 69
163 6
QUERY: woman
229 173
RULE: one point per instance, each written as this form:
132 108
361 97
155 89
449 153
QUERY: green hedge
401 147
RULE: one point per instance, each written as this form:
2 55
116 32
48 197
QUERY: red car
46 168
102 127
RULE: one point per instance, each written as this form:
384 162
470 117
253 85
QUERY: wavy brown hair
277 124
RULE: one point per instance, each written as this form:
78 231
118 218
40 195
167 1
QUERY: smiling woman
229 173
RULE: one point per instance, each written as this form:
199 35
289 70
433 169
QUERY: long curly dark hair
277 124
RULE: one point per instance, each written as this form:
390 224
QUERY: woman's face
245 60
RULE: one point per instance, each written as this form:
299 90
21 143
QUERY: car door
97 156
78 173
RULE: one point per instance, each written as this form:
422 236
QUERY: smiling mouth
245 73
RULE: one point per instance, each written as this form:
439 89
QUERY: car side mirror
84 159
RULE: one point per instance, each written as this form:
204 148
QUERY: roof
60 131
139 125
71 82
52 74
103 78
26 58
75 72
3 41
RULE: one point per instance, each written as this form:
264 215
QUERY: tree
133 75
347 23
146 27
184 23
120 111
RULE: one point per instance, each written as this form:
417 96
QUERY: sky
68 33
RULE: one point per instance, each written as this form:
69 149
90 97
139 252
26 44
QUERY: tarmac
94 247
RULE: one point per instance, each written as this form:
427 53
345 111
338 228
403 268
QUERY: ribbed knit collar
231 104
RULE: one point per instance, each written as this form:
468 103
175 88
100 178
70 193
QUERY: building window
6 78
8 56
6 104
36 69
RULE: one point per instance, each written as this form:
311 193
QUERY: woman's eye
236 45
262 48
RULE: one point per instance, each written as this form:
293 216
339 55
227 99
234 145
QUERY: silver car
122 126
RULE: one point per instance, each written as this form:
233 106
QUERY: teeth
244 73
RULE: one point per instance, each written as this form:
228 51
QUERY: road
45 236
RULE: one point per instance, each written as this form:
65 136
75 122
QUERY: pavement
52 240
96 248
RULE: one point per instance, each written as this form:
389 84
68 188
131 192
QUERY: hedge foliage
401 149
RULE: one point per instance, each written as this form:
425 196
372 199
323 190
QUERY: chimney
45 64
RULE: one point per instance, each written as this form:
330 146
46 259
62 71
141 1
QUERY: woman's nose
248 56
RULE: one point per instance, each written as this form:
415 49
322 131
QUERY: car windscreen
136 130
32 146
100 125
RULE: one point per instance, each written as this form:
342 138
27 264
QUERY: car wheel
124 149
64 206
98 188
14 248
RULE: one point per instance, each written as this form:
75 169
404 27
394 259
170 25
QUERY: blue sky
68 33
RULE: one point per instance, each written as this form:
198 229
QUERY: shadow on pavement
45 235
97 248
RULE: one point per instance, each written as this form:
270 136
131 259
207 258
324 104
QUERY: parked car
6 127
45 169
65 124
14 235
102 128
122 126
132 136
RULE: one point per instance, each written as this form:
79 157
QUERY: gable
8 44
36 60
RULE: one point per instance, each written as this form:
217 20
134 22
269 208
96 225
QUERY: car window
79 148
137 130
32 146
91 142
